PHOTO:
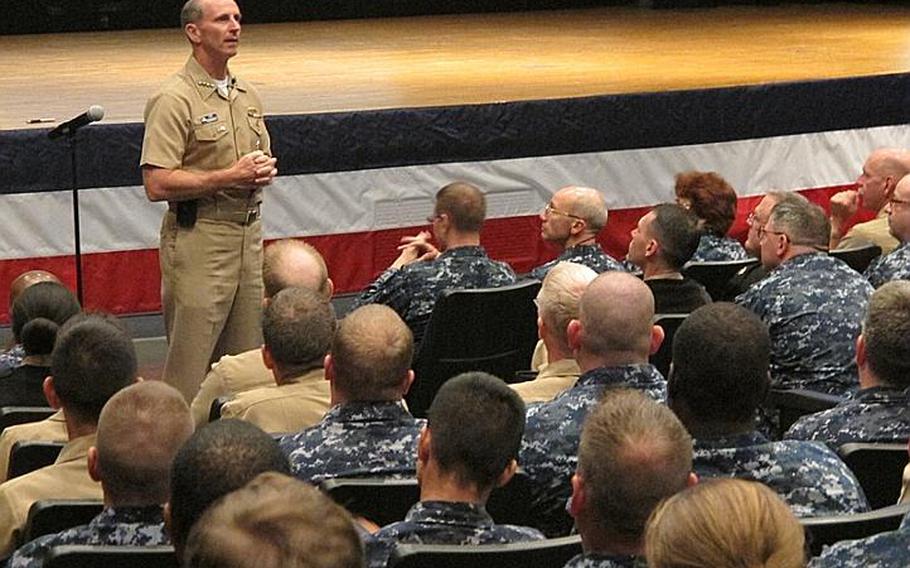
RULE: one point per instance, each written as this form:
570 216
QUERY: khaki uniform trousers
211 294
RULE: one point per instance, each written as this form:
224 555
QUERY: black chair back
791 404
535 554
380 500
715 275
879 469
87 556
824 531
664 355
385 501
858 258
487 329
12 415
53 516
27 456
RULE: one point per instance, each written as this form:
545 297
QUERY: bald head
615 316
26 279
371 355
292 262
881 171
139 432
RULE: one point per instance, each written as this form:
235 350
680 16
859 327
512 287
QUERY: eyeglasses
892 201
433 218
549 209
763 231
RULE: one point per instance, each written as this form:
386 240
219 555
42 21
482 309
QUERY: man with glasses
895 265
749 275
881 172
571 221
812 303
414 281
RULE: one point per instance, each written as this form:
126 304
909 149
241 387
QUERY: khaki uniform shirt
190 126
285 408
230 376
552 379
874 231
67 478
51 429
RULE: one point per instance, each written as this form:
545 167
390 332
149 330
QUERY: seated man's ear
51 394
507 473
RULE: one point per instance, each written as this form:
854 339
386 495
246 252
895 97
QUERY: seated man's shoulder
243 371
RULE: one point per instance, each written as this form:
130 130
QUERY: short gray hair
806 224
191 12
559 296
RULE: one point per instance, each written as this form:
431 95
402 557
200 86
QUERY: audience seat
823 531
537 554
53 516
858 258
12 415
715 275
487 329
27 456
386 501
670 323
879 469
794 403
86 556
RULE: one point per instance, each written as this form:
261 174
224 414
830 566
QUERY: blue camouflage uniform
591 256
596 560
714 248
807 475
118 526
813 305
412 290
892 266
873 415
12 358
444 522
356 439
885 550
550 445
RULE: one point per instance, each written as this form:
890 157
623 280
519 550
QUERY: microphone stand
71 144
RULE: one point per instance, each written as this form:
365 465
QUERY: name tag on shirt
209 118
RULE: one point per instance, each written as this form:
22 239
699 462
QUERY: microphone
93 114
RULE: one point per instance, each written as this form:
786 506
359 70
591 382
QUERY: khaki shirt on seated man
51 429
285 263
92 360
557 305
298 326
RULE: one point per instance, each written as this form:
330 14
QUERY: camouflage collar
882 394
449 513
462 252
635 376
581 249
367 412
753 438
145 514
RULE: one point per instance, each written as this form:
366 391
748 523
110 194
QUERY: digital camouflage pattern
553 429
412 291
713 248
592 256
893 266
120 526
356 439
873 415
443 522
11 359
886 550
810 477
595 560
813 305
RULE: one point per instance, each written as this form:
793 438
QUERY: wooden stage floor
449 60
